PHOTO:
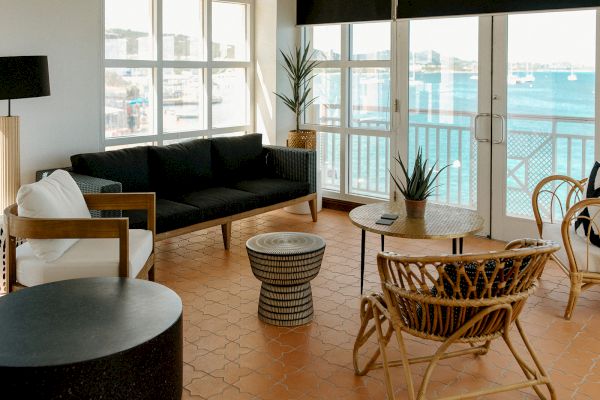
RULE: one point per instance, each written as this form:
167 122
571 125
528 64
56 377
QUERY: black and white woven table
285 263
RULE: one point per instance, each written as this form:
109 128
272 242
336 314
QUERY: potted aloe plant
417 186
299 66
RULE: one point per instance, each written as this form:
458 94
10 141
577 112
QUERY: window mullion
344 109
209 59
158 70
155 64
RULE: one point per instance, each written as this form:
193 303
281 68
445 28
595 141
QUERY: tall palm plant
299 66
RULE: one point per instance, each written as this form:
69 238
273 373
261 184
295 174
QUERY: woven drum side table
285 263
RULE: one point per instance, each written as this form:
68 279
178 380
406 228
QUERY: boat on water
572 77
529 77
512 79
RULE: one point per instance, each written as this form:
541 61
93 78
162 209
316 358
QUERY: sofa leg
313 208
226 230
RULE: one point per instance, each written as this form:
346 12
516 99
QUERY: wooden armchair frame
424 298
570 206
83 228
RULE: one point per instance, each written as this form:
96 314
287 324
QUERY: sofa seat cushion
220 202
129 166
181 167
87 258
581 248
273 190
170 215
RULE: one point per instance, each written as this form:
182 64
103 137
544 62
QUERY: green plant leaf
420 183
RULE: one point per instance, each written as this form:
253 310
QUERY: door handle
480 115
502 119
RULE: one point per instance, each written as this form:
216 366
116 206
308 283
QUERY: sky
549 37
137 15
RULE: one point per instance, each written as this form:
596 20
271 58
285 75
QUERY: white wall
265 68
275 29
69 121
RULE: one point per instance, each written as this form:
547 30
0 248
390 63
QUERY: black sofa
203 182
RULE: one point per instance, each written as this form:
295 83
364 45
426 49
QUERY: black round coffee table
110 338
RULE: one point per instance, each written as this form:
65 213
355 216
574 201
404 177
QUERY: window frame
158 64
344 129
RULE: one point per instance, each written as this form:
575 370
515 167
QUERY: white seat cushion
580 245
87 258
56 196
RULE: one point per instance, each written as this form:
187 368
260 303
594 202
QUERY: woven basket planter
302 139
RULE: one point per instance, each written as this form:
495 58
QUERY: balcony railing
537 146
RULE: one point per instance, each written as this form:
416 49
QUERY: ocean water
550 130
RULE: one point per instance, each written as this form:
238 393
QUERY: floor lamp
20 77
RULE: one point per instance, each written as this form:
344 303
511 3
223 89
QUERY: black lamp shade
22 77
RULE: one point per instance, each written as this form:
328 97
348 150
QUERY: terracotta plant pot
415 208
302 139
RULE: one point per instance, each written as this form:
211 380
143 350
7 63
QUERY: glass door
544 90
449 111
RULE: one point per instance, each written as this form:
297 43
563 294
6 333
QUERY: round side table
285 263
92 338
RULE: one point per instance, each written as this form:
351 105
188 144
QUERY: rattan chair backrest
436 295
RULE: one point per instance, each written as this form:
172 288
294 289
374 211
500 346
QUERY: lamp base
10 168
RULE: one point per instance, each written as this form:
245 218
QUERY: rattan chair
141 247
471 299
556 205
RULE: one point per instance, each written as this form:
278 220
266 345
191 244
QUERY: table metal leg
382 242
362 260
457 246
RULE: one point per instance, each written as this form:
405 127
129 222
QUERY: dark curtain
437 8
336 11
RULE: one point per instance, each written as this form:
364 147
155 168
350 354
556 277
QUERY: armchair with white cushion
66 244
557 202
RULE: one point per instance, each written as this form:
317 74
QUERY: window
352 112
176 70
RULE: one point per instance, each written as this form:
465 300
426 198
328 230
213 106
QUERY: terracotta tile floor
230 354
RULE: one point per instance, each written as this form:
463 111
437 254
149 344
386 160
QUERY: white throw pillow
56 196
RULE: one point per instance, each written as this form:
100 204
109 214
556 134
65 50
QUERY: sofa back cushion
238 157
181 168
128 166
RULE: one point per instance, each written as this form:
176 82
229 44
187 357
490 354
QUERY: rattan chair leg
483 348
535 376
382 346
529 373
535 359
576 283
364 335
405 360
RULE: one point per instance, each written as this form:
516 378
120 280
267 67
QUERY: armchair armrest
62 228
125 201
293 164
